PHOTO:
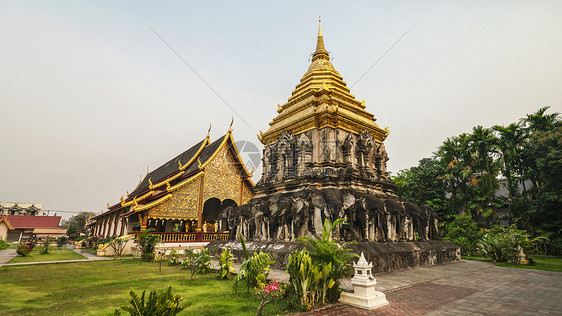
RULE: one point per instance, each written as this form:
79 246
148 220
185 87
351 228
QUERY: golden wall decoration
247 193
222 177
182 205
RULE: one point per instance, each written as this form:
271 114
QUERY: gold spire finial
230 127
321 51
179 163
209 131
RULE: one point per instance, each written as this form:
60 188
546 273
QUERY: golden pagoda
323 136
320 100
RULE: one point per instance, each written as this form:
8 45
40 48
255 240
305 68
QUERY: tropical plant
118 245
157 304
196 261
325 251
309 281
174 258
505 244
147 244
46 243
226 267
254 269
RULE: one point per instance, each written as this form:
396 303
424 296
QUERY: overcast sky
90 96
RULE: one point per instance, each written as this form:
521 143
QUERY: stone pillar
364 294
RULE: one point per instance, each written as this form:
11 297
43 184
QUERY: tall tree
77 223
511 139
424 184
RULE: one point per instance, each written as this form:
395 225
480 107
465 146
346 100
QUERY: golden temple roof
322 99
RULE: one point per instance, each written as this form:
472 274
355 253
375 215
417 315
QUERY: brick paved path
486 291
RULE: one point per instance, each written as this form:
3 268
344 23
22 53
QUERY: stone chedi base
364 294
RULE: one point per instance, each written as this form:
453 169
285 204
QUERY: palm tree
511 139
539 121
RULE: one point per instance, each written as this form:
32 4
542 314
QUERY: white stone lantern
364 294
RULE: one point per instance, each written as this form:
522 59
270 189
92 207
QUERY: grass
98 287
54 254
541 263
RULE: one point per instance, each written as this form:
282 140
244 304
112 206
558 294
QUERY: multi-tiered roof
322 99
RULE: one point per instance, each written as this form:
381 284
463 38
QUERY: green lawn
98 287
542 263
54 254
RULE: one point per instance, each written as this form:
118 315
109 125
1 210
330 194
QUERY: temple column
116 223
200 206
143 219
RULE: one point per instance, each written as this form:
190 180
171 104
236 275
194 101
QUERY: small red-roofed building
21 227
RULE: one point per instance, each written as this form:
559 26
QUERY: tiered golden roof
322 99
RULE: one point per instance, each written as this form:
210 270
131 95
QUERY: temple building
30 209
183 198
324 157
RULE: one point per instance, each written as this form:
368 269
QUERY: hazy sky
90 96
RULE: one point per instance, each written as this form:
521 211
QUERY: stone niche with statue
324 158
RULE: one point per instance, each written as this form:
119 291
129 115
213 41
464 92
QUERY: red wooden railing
190 237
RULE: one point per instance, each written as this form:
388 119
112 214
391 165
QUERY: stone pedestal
364 294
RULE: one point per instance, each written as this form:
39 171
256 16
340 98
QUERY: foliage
157 304
77 224
463 232
4 244
424 184
197 261
61 241
174 258
505 244
469 172
326 251
268 293
147 244
24 249
46 243
254 270
118 245
309 280
226 267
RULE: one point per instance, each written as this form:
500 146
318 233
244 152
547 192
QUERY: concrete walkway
8 254
464 288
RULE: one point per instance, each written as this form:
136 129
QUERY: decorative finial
230 127
150 182
321 51
147 170
198 163
127 192
122 199
168 186
209 131
108 205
